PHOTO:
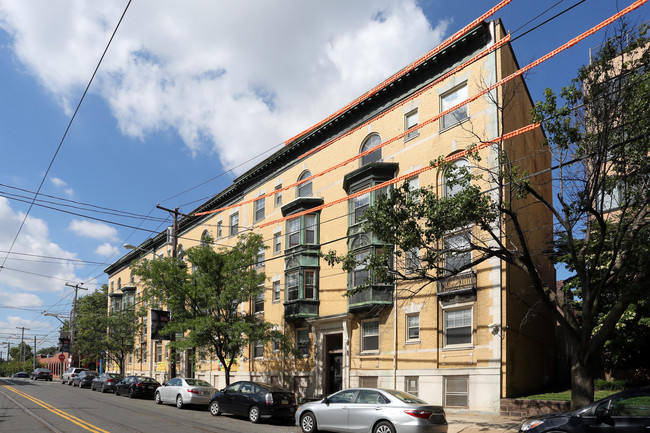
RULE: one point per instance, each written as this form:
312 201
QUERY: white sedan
183 392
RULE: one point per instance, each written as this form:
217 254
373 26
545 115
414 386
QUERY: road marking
73 419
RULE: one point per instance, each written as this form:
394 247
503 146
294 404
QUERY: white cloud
105 250
94 230
60 184
234 78
24 271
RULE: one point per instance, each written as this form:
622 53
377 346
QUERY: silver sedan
183 392
371 410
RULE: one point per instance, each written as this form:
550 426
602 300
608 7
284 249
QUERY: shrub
610 385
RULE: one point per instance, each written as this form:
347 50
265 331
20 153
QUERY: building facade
465 342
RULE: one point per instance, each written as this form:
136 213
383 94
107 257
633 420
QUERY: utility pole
22 343
172 336
34 353
76 288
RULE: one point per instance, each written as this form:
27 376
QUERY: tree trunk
226 371
582 382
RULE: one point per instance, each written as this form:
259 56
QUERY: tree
600 139
16 352
90 325
120 335
205 302
47 350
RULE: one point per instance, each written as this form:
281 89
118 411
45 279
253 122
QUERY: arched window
205 238
180 252
304 189
119 284
370 142
453 178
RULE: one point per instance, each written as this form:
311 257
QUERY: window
258 349
158 352
275 345
258 306
412 260
234 224
458 255
607 201
277 243
449 100
413 327
260 258
119 284
360 204
302 341
276 291
304 189
454 178
370 336
456 391
219 229
367 396
370 142
302 230
411 121
293 285
258 206
310 283
458 327
205 238
360 273
411 385
277 201
343 396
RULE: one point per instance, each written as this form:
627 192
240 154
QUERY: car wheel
117 391
308 423
384 427
157 398
214 408
254 414
131 393
102 389
179 402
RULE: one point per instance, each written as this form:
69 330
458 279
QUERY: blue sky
189 95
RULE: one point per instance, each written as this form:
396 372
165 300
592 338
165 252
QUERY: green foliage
16 352
205 302
610 385
48 350
90 325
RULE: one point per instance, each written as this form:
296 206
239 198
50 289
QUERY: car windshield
197 382
404 397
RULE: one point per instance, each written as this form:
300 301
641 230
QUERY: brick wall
524 408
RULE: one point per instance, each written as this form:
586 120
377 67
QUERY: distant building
466 342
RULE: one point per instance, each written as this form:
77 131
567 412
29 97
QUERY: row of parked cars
380 410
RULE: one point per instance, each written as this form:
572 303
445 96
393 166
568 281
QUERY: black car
627 411
20 374
255 400
137 386
41 373
84 379
105 382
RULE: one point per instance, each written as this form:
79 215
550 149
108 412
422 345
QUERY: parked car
42 373
626 411
70 374
255 400
184 392
84 379
105 382
371 410
137 386
20 374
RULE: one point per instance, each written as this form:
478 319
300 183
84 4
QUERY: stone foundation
525 408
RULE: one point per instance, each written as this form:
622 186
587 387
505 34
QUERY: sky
187 96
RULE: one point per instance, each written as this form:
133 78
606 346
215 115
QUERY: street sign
61 357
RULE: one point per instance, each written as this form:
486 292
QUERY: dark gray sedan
371 410
106 382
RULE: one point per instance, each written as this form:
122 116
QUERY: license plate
149 386
285 401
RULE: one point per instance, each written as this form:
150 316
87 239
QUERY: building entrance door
334 368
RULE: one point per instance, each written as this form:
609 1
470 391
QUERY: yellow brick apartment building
465 342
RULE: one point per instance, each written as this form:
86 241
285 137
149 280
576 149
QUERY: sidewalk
474 422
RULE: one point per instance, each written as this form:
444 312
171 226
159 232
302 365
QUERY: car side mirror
164 384
604 416
326 401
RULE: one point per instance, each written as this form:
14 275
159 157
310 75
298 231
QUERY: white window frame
277 243
462 394
369 332
259 207
234 224
257 348
373 140
277 291
445 325
411 326
411 121
277 198
305 189
412 385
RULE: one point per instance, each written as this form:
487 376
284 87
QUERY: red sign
62 357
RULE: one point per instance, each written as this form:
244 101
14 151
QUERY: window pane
310 229
457 259
276 290
370 335
450 100
372 141
456 391
413 324
360 204
304 189
294 232
259 209
292 286
234 224
277 243
309 284
452 188
458 326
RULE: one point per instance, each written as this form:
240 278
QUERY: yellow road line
73 419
